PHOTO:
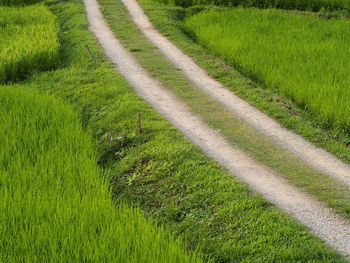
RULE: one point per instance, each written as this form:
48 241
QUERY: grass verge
165 174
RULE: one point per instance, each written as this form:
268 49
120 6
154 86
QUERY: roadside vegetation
57 207
29 41
56 203
309 5
303 56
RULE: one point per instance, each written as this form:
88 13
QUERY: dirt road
319 219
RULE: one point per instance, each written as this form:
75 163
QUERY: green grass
18 2
304 57
311 5
55 206
29 41
167 176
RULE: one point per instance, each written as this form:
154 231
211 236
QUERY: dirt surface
319 219
313 156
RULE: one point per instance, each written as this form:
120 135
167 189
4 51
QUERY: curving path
315 157
319 219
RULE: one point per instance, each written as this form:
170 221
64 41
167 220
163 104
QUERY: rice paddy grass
29 41
18 2
55 205
302 56
309 5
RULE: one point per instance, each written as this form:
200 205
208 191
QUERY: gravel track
334 230
313 156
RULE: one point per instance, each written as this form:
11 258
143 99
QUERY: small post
90 53
138 125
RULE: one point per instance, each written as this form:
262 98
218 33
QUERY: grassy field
57 207
29 41
18 2
159 170
305 57
311 5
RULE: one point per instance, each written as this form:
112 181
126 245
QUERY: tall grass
54 205
305 57
18 2
311 5
29 41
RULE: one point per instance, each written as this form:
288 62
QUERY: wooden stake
138 125
90 53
